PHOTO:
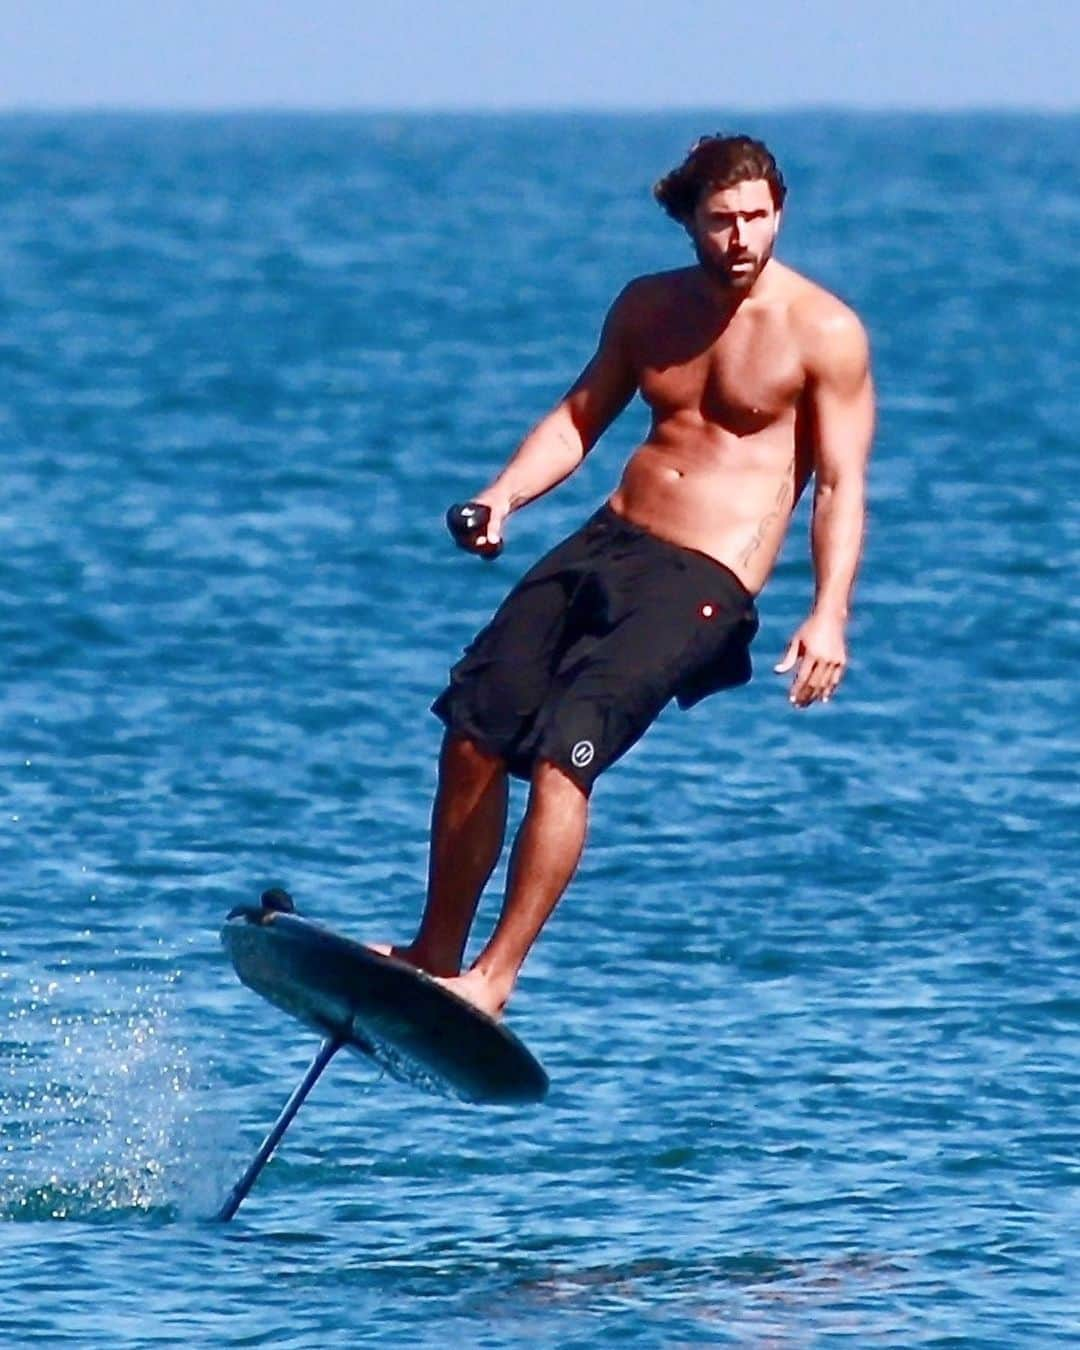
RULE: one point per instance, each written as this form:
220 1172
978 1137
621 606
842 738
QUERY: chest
744 376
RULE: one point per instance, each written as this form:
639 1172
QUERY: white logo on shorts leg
582 754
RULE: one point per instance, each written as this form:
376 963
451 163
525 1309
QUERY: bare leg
546 854
468 824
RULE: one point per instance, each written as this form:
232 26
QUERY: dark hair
718 162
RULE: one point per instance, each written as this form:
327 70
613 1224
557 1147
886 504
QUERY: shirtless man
756 379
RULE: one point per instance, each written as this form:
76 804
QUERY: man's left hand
818 647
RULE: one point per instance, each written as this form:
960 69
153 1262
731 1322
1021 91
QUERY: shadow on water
746 1288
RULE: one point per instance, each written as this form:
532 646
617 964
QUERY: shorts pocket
720 661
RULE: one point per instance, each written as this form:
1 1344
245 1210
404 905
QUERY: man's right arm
561 440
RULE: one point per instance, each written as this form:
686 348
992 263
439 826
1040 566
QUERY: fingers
832 683
489 543
816 681
493 532
818 649
789 658
491 539
799 694
470 524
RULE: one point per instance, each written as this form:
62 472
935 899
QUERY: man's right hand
476 526
499 506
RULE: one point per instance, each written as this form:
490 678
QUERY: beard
720 269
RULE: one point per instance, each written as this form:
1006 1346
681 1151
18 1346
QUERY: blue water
810 1008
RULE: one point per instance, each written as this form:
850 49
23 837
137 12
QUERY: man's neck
726 299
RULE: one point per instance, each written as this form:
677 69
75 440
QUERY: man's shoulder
813 307
828 329
655 288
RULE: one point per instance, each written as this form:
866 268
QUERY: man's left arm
842 425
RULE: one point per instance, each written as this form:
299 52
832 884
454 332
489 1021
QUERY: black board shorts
590 645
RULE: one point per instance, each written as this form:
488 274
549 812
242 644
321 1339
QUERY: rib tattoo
783 502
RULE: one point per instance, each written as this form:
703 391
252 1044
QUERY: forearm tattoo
565 438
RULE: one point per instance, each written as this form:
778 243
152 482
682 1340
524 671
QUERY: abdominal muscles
728 497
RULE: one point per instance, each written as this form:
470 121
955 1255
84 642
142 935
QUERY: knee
552 782
465 755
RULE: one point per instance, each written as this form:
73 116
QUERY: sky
539 54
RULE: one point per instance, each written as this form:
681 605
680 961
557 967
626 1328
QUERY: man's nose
738 230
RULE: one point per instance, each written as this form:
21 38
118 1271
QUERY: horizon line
528 110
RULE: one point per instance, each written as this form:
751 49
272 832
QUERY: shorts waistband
608 517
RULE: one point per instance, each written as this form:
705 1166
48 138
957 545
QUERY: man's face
733 230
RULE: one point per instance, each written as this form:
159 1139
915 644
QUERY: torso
730 447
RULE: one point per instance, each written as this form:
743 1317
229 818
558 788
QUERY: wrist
496 497
833 610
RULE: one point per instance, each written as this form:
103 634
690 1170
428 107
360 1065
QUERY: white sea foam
96 1098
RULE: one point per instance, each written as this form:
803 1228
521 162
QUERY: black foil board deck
410 1025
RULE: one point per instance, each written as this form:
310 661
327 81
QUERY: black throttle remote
467 522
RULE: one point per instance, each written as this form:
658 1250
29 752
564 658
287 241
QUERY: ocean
810 1008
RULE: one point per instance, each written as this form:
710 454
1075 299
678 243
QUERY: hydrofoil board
382 1008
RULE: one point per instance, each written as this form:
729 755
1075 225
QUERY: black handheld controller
467 522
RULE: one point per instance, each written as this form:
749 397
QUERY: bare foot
476 989
412 956
405 954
